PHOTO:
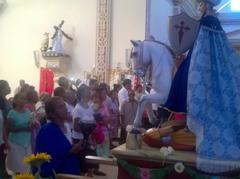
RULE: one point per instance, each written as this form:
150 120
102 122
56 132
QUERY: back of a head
93 83
21 82
50 106
104 86
3 84
32 96
63 82
126 82
59 91
81 90
44 96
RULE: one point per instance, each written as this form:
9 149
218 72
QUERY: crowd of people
70 124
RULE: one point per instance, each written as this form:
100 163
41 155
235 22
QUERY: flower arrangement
25 176
179 167
35 160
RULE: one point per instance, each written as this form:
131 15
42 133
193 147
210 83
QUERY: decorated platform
150 163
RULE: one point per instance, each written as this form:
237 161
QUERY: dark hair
30 96
18 96
100 89
92 81
116 86
103 85
59 91
50 105
81 90
63 81
3 84
126 82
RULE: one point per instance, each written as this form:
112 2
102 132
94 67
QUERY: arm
108 117
122 120
67 36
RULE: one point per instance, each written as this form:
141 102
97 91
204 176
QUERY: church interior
119 89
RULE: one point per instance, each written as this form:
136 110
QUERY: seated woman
53 140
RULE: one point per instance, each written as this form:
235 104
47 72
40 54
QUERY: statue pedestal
58 63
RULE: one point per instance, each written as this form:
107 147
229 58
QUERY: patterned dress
213 99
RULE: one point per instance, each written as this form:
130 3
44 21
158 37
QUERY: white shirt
85 114
122 96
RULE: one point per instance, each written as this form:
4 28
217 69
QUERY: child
103 119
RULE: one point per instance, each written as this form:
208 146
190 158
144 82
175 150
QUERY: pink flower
145 173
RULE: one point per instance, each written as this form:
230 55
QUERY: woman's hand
76 148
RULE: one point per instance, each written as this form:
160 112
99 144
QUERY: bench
67 176
101 160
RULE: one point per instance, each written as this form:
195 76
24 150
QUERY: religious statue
57 38
3 4
206 88
45 42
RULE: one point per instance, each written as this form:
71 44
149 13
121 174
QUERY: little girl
103 119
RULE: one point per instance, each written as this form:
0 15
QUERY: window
235 5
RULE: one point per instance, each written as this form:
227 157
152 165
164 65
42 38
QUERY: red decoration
46 80
136 81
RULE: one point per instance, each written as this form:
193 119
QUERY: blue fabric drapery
213 99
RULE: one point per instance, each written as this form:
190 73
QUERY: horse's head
140 57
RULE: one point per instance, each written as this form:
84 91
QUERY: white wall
160 10
230 20
22 25
128 22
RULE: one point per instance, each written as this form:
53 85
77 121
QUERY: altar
148 162
149 158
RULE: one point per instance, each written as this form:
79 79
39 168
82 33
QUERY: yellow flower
37 159
25 176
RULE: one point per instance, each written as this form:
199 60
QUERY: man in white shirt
123 92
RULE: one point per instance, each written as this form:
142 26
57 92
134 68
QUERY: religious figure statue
206 88
45 42
3 4
57 38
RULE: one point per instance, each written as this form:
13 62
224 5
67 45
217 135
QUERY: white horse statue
161 57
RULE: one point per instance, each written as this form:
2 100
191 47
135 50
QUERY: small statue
57 38
45 42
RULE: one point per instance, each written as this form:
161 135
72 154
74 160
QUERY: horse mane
165 45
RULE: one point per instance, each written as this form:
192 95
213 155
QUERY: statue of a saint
45 42
57 38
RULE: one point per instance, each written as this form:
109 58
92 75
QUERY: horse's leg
152 117
138 118
151 98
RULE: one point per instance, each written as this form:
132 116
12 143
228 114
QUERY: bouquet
35 160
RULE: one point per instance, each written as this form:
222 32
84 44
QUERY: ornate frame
103 40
